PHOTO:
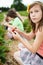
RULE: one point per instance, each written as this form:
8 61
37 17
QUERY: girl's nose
33 14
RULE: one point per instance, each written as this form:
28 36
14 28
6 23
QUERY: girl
13 19
35 50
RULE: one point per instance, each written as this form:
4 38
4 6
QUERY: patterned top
40 50
17 23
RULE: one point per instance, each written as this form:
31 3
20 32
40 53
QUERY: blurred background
5 43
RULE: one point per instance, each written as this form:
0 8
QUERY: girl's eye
36 11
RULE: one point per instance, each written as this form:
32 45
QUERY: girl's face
36 13
8 18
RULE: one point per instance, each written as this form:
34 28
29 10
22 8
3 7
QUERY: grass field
1 17
23 13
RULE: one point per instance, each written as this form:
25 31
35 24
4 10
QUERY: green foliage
3 48
27 26
23 13
2 31
17 4
1 17
4 9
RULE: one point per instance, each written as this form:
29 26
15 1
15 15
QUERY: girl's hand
16 35
10 26
17 30
6 24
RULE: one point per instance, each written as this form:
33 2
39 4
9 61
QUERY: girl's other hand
17 30
5 23
15 35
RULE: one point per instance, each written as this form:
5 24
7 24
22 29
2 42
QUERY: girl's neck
36 27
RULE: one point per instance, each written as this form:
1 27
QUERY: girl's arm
35 46
28 36
9 26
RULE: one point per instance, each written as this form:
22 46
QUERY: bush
27 26
3 48
1 16
23 13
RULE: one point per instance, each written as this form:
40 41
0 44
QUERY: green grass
23 13
27 26
1 17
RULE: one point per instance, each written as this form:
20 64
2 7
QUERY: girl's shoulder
40 29
17 18
40 32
